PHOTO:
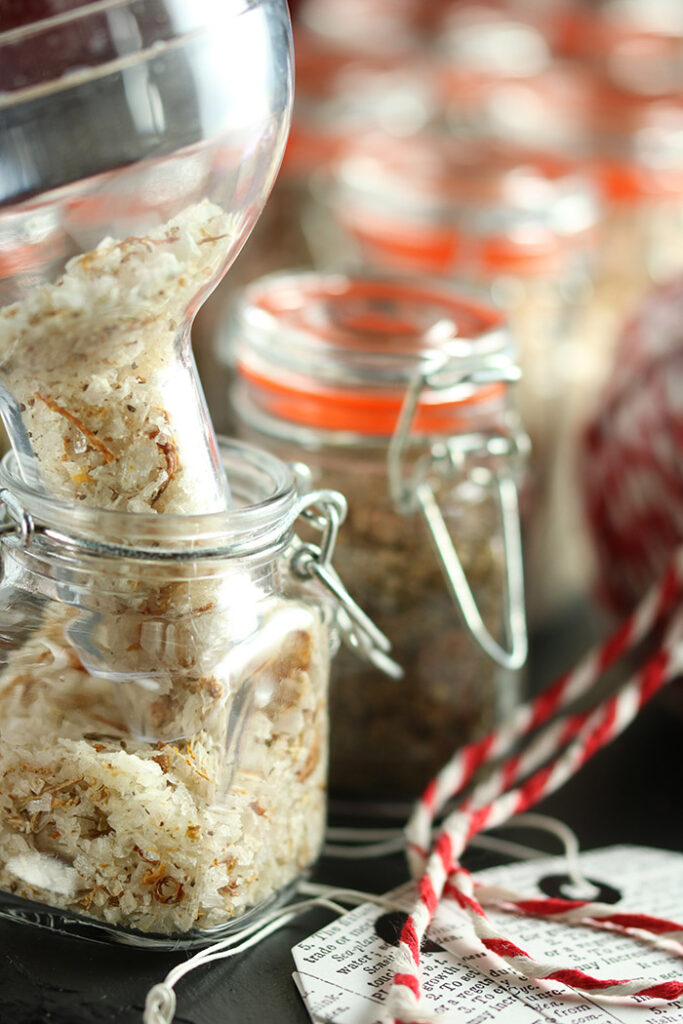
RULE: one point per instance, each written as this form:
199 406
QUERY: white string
354 896
572 851
160 1004
392 841
367 851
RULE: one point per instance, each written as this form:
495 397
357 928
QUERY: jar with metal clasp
163 705
400 392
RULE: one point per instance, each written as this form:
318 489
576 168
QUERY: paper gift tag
344 974
641 880
344 970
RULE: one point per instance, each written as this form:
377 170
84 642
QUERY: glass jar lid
338 353
484 204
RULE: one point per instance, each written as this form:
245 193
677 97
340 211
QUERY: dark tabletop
628 793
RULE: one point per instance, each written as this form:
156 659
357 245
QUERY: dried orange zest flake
108 721
168 890
150 859
211 238
164 762
311 761
211 685
86 902
46 790
154 874
92 440
170 453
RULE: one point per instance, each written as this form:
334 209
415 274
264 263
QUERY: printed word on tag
344 970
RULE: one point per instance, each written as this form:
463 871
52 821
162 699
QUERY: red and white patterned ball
632 456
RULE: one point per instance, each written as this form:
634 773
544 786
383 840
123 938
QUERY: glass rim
294 335
340 351
240 531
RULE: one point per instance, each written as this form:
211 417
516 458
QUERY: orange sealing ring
364 406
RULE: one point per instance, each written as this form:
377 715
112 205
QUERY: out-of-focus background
532 150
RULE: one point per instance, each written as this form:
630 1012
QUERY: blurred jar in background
340 96
519 226
635 43
390 28
638 152
400 390
544 111
631 54
481 47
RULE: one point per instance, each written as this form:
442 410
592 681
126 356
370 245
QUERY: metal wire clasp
410 490
16 519
326 511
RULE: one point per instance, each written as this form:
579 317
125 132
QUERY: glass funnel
141 139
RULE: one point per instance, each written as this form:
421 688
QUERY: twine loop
556 743
160 1004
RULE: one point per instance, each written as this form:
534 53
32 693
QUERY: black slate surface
628 793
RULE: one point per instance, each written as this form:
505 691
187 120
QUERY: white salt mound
96 363
163 837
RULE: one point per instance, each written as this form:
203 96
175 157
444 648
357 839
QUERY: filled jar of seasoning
480 50
400 392
629 55
166 638
163 705
521 226
638 157
518 224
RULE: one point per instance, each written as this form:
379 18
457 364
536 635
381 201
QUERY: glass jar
388 28
163 707
481 49
516 223
542 112
522 227
637 142
399 391
138 153
631 55
341 94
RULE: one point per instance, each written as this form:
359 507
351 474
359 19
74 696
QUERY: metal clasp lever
326 511
14 518
414 491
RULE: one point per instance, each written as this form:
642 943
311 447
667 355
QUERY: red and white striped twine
560 749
